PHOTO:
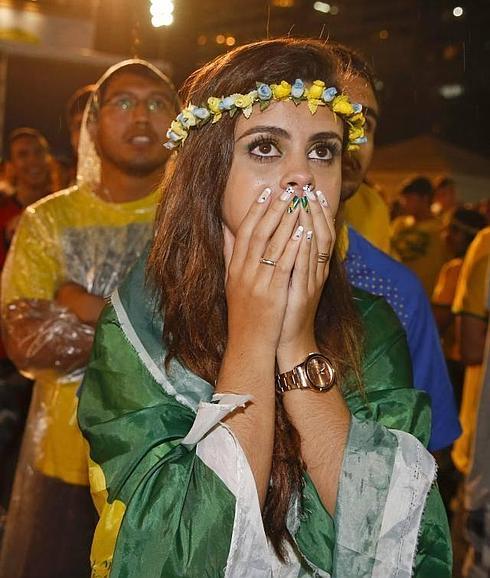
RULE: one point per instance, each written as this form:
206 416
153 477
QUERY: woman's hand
310 272
256 297
256 292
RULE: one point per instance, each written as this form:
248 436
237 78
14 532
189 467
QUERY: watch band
294 379
298 378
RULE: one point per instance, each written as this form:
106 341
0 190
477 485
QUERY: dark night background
418 48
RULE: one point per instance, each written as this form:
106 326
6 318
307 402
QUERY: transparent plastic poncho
74 236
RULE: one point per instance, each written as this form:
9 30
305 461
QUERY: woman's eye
264 149
321 152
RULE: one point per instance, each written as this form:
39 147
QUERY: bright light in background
451 90
162 12
458 11
322 7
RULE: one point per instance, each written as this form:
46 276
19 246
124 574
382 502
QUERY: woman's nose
298 177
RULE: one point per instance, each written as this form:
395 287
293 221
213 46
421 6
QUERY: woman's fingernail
293 205
309 235
298 233
322 199
304 203
266 193
287 194
311 195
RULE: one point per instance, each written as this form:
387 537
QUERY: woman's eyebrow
275 130
326 135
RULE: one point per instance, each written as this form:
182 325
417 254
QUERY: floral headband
316 95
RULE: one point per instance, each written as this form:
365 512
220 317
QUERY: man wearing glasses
70 252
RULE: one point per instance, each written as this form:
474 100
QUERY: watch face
320 372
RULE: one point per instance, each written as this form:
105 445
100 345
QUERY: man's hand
40 334
85 306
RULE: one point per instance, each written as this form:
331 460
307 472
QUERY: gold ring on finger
268 262
323 257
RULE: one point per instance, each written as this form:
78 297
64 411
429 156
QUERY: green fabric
132 427
179 514
390 400
357 536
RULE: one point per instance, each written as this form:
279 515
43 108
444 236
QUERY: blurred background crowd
421 195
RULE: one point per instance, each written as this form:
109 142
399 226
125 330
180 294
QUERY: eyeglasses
126 104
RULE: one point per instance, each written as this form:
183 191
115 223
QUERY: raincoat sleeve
177 497
39 333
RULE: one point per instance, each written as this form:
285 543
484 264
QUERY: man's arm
45 325
41 334
471 332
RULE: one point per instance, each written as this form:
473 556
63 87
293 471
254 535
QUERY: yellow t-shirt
72 236
420 247
443 295
368 214
470 299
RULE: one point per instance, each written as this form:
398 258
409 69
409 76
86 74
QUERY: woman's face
284 145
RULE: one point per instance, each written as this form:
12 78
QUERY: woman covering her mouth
248 413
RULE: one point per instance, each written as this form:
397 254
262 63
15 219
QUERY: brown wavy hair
186 264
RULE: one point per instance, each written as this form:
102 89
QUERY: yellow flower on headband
213 105
355 132
281 91
358 118
342 105
245 100
178 129
316 90
187 119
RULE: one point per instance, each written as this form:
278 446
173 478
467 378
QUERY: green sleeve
175 508
386 403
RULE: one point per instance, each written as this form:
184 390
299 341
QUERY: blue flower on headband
264 92
298 88
329 94
173 136
182 119
202 113
357 107
227 103
360 140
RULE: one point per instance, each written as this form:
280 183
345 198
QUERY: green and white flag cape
177 497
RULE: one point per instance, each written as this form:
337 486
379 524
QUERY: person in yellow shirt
417 235
69 253
460 232
470 307
367 212
445 199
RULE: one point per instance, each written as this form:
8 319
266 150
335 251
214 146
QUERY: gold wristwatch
315 373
